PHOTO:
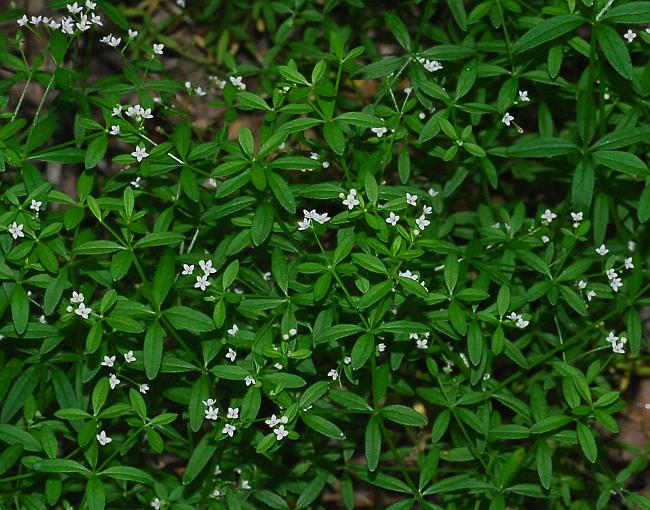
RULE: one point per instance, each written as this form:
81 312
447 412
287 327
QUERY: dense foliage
399 247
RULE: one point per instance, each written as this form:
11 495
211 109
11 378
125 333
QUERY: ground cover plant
323 254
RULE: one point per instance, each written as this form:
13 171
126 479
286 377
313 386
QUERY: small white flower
521 323
233 413
202 283
77 297
320 218
280 432
523 96
545 239
133 33
422 222
272 421
590 295
22 21
577 218
67 25
392 219
156 504
113 381
96 20
408 274
103 439
507 119
111 41
144 388
422 115
629 36
602 250
158 48
549 216
199 91
582 284
211 413
612 338
115 130
209 402
84 24
145 113
83 311
139 153
36 20
631 245
433 193
628 263
422 343
314 156
514 316
90 5
347 360
117 111
430 65
36 206
611 274
108 361
207 267
228 429
233 331
278 366
615 284
351 200
326 164
137 183
379 131
237 82
304 224
333 374
129 357
16 230
231 355
411 199
381 347
249 380
427 210
74 8
188 269
245 484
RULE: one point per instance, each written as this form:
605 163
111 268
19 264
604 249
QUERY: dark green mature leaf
96 151
61 466
322 425
621 161
373 442
19 309
616 53
281 191
182 317
404 415
97 248
632 12
547 30
398 29
202 454
542 148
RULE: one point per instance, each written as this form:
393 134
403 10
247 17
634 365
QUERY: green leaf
547 30
632 12
253 101
582 186
128 473
542 148
404 415
550 423
621 161
97 248
281 190
362 350
322 425
153 349
96 151
19 309
159 239
11 435
246 141
334 137
380 69
475 343
457 8
203 452
60 466
361 119
616 53
292 75
622 137
182 317
163 278
373 442
95 494
587 442
9 456
280 270
313 393
374 294
451 272
262 224
398 29
544 464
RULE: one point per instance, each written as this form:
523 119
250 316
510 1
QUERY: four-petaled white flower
129 357
111 41
523 96
422 343
249 380
351 200
139 153
158 48
74 8
602 250
228 429
628 263
427 209
582 284
35 205
392 219
590 295
209 402
207 267
22 21
188 269
108 361
202 283
629 36
280 432
616 343
77 297
333 374
379 131
577 218
237 82
233 413
347 360
231 355
272 421
133 33
548 216
381 347
156 504
115 130
545 239
83 311
422 222
521 323
507 119
233 331
211 413
411 199
144 388
103 439
113 381
137 183
16 230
